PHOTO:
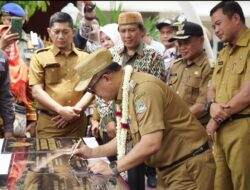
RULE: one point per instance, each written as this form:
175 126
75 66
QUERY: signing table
43 164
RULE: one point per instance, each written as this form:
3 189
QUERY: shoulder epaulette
177 60
42 50
80 49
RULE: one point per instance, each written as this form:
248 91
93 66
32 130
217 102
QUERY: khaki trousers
232 154
45 127
196 173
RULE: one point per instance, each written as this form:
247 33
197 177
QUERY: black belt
239 116
196 152
47 113
236 117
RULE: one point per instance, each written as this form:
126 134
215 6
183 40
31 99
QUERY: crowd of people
158 108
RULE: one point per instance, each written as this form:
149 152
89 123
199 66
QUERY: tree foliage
112 16
149 24
30 6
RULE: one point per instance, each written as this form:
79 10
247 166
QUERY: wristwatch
208 105
113 166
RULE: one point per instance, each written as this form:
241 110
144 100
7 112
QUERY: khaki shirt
190 82
232 70
145 59
56 72
153 106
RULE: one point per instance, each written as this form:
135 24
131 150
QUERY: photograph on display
33 168
16 145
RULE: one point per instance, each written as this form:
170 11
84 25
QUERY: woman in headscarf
109 36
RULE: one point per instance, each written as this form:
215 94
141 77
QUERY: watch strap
113 166
208 105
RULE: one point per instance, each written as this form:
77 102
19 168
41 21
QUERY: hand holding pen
75 147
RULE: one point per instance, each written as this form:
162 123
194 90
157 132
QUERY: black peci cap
186 30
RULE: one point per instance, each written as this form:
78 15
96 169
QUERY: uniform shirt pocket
191 91
238 68
52 73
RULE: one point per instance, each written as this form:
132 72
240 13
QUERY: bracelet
113 166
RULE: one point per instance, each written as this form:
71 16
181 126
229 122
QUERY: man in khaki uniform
53 78
189 76
179 151
229 98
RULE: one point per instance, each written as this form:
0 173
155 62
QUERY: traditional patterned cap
187 29
130 18
13 9
91 65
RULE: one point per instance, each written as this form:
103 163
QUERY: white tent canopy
202 8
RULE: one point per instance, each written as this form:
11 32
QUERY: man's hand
218 113
8 135
111 129
100 167
31 128
211 128
59 122
82 152
69 113
7 39
94 128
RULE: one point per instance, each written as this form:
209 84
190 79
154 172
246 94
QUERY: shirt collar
200 59
244 38
138 51
55 50
171 50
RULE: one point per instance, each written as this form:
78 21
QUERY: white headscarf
111 30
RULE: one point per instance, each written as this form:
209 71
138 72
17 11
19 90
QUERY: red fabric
118 114
18 71
124 125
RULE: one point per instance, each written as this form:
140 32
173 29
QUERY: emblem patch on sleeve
140 106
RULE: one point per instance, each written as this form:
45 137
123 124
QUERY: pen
77 145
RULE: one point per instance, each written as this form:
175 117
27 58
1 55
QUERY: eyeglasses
90 89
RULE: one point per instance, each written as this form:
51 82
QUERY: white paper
92 143
5 160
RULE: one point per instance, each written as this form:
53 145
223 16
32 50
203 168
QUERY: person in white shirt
167 31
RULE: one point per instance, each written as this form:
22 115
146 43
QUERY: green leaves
149 24
111 18
101 16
